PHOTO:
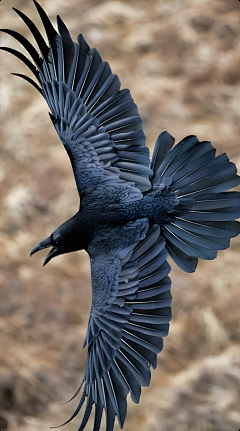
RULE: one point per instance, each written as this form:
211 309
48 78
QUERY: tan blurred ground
181 60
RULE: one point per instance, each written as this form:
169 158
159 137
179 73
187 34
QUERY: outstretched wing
98 124
130 314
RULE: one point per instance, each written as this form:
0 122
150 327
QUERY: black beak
52 253
45 244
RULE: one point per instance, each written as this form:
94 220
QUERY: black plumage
133 214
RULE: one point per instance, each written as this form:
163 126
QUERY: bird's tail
201 180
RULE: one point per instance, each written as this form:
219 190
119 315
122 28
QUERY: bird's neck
77 231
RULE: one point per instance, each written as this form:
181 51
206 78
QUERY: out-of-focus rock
114 12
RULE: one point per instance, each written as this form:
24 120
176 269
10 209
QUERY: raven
133 213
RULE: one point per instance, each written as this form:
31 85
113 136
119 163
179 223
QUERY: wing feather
75 81
123 340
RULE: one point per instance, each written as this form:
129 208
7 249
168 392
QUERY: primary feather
133 213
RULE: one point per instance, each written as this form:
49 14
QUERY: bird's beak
45 244
52 253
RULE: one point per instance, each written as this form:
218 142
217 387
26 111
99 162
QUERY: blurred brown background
181 60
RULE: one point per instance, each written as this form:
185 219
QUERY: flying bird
134 212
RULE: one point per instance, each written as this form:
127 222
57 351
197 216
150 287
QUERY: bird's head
64 239
51 241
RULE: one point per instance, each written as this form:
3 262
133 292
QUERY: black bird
133 213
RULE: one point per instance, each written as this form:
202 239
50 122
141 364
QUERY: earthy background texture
181 61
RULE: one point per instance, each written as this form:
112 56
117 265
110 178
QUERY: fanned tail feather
202 179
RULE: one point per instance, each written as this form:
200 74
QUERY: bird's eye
55 241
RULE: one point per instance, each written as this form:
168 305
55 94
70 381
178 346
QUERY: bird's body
110 209
104 209
133 213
